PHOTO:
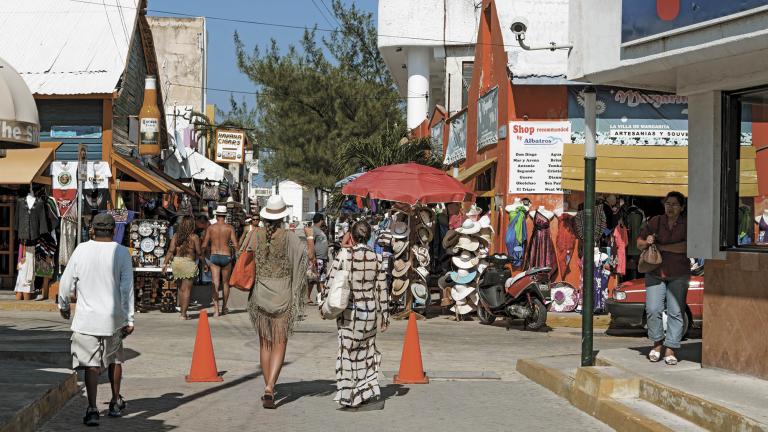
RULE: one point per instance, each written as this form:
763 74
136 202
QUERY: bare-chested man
220 241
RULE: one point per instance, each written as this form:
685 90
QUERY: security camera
519 26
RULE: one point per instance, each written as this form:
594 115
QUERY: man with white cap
219 241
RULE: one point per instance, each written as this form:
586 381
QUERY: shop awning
644 170
472 172
153 180
26 166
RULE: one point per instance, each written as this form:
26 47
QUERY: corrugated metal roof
68 47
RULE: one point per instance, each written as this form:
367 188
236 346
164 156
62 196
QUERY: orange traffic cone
203 367
411 369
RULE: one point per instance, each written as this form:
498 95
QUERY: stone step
646 417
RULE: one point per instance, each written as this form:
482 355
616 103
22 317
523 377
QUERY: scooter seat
515 278
538 270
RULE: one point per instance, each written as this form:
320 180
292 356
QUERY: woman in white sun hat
277 299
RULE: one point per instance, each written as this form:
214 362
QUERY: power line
297 27
322 13
255 93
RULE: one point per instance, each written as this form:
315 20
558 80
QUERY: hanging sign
536 156
230 144
457 140
488 119
436 136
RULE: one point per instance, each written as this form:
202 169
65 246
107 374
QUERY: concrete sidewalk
628 392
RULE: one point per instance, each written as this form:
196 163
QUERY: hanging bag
339 288
210 192
244 272
650 258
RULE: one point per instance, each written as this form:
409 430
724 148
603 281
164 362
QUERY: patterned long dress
358 360
541 251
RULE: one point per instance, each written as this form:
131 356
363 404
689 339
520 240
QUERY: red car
627 304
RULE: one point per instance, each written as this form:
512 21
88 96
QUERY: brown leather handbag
650 258
244 272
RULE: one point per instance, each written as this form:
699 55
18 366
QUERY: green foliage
316 98
387 148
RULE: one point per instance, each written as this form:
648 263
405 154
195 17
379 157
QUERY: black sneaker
117 407
91 417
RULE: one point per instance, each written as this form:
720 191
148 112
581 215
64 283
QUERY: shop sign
643 18
436 138
457 140
488 119
230 145
632 117
19 132
536 156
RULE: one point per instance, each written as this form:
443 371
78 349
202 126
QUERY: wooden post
106 145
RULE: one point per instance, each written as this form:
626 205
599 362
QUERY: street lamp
588 276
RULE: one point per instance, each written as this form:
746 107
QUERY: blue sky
222 69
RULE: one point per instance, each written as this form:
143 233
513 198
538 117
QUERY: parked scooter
524 296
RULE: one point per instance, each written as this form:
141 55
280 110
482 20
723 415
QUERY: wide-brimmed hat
474 210
462 308
421 254
275 209
399 286
450 239
423 272
469 227
424 234
426 216
468 243
399 246
460 292
400 230
419 290
486 234
482 252
221 210
400 267
465 260
463 276
445 281
384 239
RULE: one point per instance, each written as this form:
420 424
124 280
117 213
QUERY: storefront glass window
745 170
466 80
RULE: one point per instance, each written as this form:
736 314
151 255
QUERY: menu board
536 156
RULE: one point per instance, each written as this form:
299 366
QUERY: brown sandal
268 401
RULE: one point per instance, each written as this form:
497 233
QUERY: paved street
160 351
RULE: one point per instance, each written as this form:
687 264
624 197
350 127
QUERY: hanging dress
541 251
566 242
621 240
762 233
516 236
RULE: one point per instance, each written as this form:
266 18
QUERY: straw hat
468 243
444 282
462 308
450 239
419 290
399 286
426 216
469 227
422 255
486 234
400 230
474 210
460 292
275 209
221 210
423 273
400 267
463 276
398 247
424 234
465 260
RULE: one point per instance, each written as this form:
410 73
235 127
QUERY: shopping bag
244 272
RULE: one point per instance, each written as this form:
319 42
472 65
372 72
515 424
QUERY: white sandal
670 360
654 356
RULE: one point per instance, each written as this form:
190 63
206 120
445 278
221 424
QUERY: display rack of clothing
566 242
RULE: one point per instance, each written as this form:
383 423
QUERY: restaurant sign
457 140
488 119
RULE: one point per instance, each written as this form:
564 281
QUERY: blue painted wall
70 112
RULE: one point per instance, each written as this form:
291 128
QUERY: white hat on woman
275 209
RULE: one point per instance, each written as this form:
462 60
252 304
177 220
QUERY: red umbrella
409 183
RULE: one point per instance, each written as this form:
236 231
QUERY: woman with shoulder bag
667 283
358 360
276 300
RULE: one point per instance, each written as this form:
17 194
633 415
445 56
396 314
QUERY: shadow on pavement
690 351
325 388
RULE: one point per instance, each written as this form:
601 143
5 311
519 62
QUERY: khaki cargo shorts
96 351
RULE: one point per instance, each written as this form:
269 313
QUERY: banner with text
536 156
488 119
457 140
436 135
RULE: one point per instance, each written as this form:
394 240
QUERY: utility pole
588 276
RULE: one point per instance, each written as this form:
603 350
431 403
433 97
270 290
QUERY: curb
573 320
29 418
29 306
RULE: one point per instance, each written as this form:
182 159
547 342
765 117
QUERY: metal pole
588 276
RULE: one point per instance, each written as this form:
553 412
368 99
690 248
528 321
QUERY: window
466 80
745 135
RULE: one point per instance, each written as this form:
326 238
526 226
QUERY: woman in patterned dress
358 360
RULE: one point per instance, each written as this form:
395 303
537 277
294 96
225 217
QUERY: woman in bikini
183 254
